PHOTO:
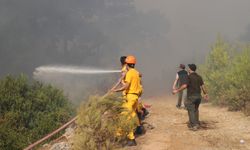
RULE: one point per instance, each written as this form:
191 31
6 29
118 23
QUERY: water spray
72 70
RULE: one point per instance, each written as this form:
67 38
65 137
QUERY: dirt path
221 130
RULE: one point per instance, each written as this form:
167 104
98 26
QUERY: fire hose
33 145
51 134
30 147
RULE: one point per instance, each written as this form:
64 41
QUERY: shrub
29 110
227 76
99 120
237 93
215 69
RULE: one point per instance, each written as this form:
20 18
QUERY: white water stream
72 70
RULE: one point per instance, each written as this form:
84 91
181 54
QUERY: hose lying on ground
51 134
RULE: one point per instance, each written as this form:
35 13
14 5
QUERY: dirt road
221 130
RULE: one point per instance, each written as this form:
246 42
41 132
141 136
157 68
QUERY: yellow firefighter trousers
131 105
139 106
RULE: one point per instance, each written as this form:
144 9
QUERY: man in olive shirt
194 85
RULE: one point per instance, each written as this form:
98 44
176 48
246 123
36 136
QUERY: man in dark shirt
194 85
180 79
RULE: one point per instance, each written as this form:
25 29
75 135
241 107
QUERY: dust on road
221 130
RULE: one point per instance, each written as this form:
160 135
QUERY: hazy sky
194 24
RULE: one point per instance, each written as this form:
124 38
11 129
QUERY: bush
226 73
237 93
99 120
28 111
215 69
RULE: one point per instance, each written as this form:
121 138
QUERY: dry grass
98 122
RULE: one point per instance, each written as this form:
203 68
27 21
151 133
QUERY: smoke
193 28
161 34
194 24
82 33
78 83
246 36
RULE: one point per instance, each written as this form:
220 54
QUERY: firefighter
132 87
124 70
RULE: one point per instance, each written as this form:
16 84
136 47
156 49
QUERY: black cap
192 67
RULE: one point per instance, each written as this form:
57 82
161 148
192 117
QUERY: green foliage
99 121
227 76
215 68
237 92
28 111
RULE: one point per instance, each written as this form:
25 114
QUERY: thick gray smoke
160 33
246 36
83 33
194 24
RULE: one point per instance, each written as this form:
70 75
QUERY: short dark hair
182 66
123 60
192 67
131 65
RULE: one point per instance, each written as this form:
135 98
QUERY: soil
220 129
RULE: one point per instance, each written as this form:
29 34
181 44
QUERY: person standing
194 85
124 70
181 77
132 87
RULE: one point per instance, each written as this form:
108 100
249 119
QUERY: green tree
29 110
215 69
226 73
237 93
